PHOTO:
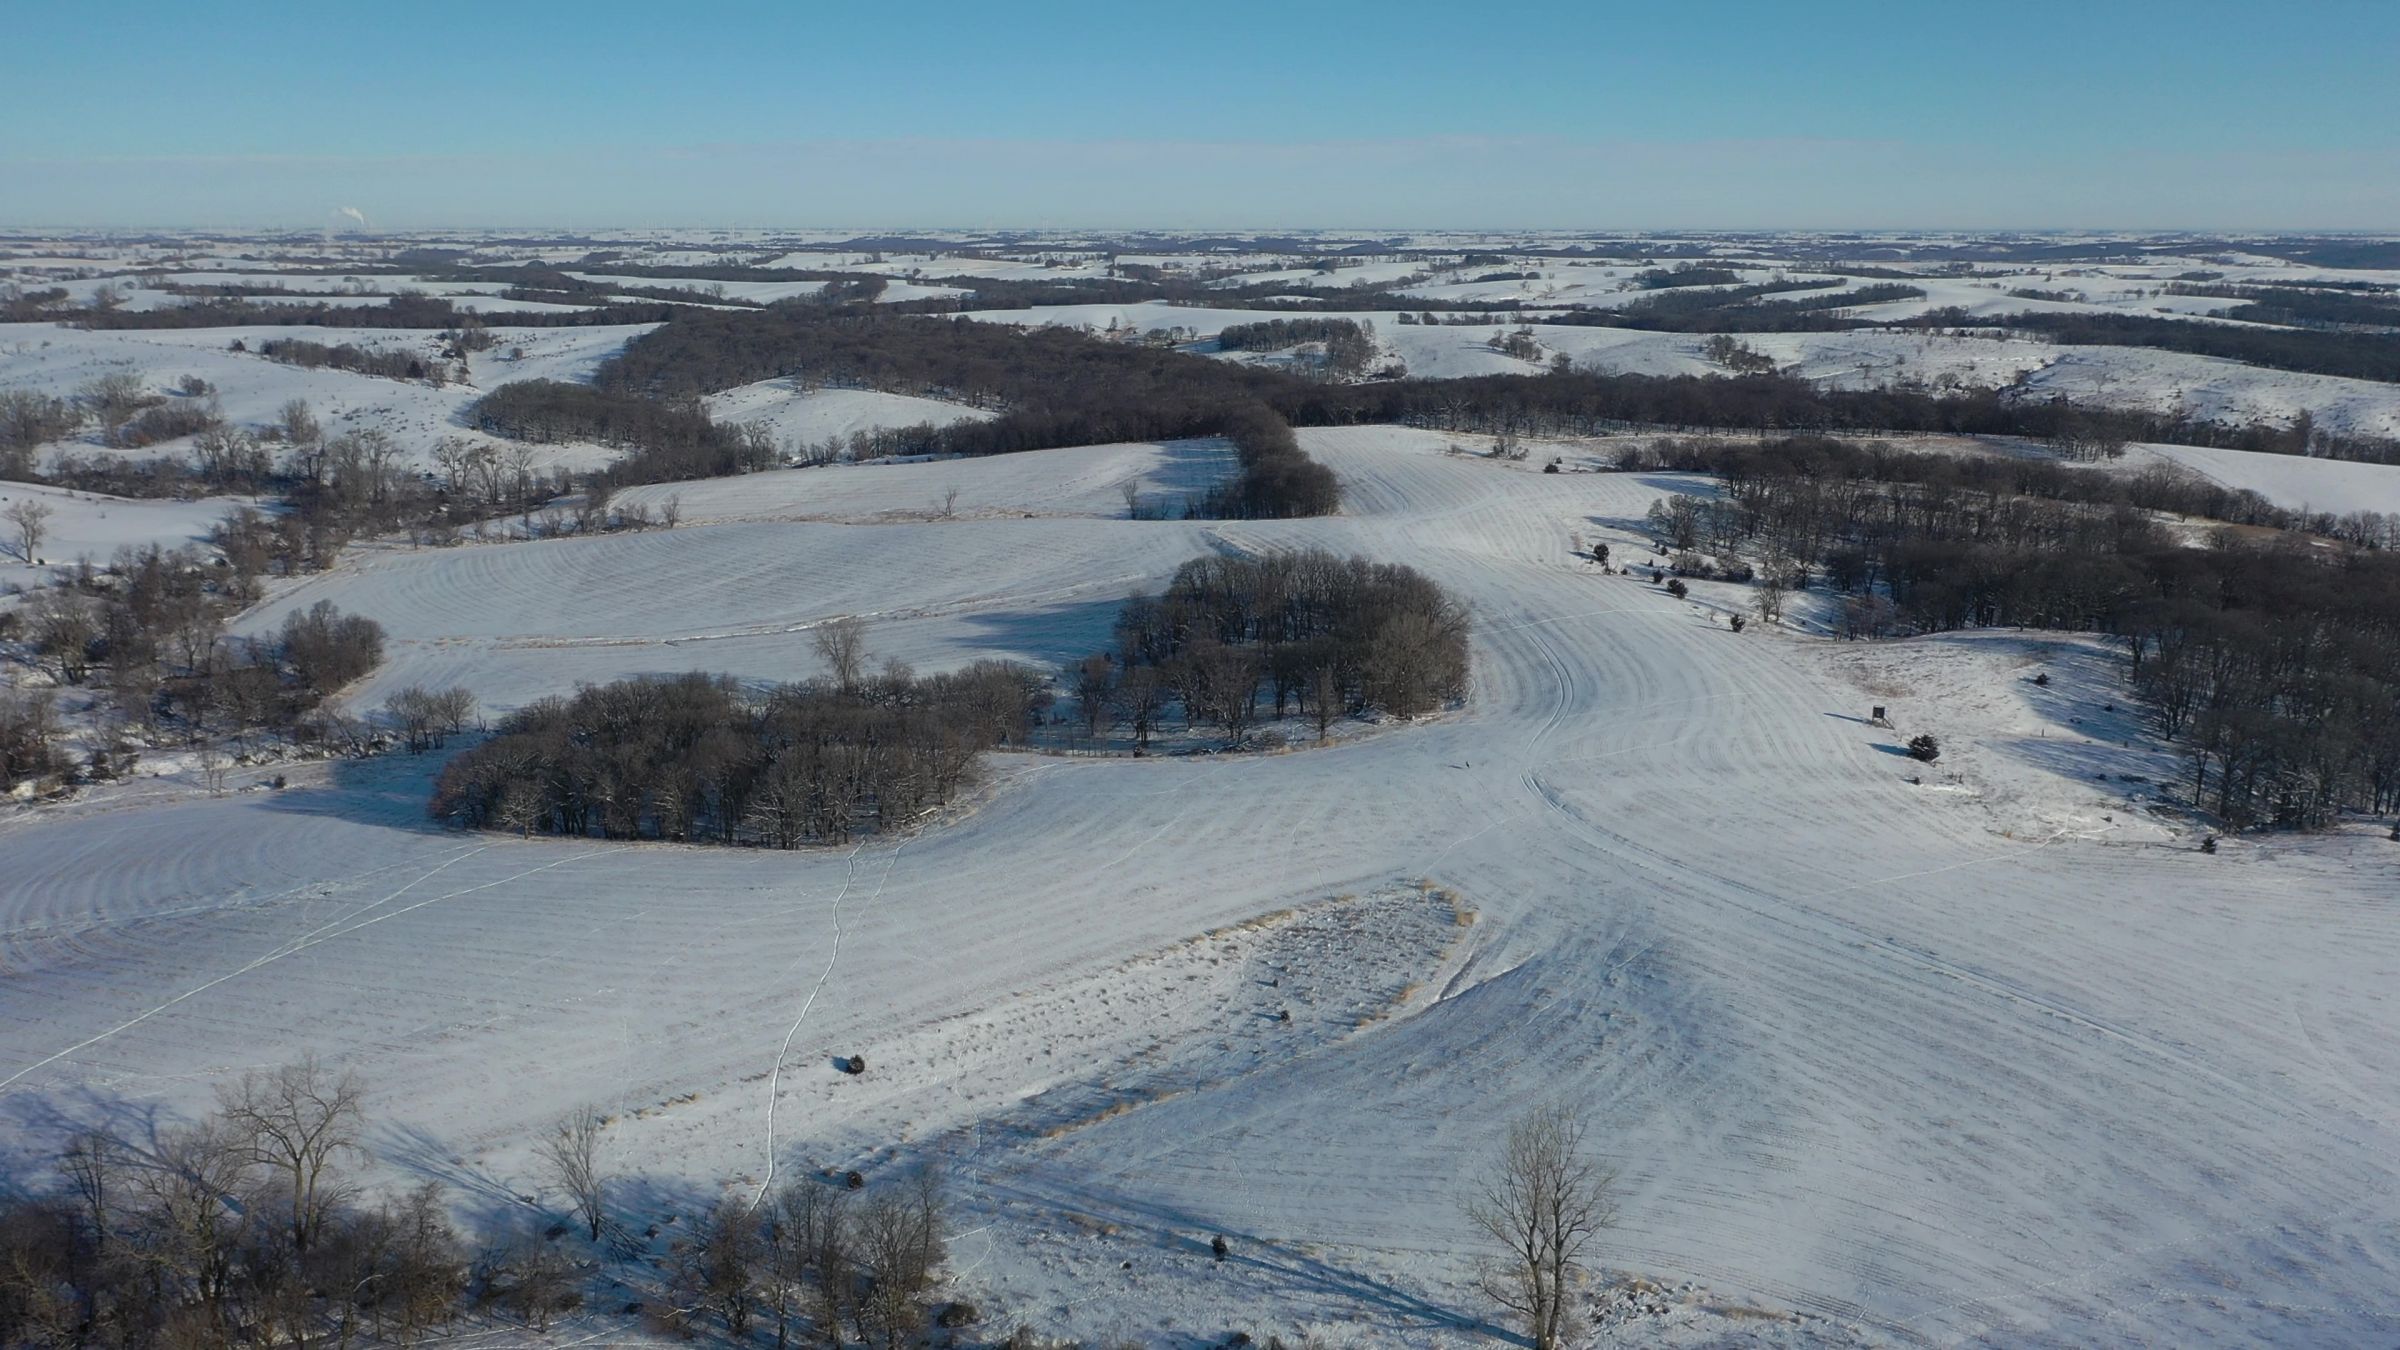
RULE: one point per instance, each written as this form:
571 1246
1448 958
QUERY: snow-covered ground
92 526
2338 486
252 389
1086 481
1992 1059
800 416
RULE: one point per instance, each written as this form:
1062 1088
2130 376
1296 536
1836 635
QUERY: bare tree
900 1243
1095 683
809 1251
31 520
213 767
1324 701
1131 490
452 708
422 1274
842 644
1139 700
296 1121
1543 1205
190 1223
298 424
543 1279
949 501
1770 597
572 1155
728 1264
519 808
94 1165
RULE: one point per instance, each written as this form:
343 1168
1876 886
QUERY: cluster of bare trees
247 1227
150 629
391 365
818 1261
1232 639
427 718
27 419
29 737
1348 345
698 758
822 1256
336 485
241 1228
2276 662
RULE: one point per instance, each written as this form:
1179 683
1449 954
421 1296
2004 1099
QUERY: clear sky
1673 113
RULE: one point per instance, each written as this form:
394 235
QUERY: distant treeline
2356 304
1056 387
2158 487
1741 309
2353 354
401 311
2275 664
696 757
1581 403
1685 274
550 411
1273 335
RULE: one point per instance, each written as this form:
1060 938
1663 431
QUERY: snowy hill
1993 1058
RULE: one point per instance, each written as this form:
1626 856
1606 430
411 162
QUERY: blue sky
2107 113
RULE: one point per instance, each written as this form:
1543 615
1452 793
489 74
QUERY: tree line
2358 354
401 311
2354 304
2274 664
1583 403
697 758
1054 387
391 365
1741 309
1061 387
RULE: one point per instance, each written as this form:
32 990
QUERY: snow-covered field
799 416
251 389
2338 486
92 526
1997 1057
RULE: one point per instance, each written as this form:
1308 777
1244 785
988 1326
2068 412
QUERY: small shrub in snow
1925 748
1677 589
